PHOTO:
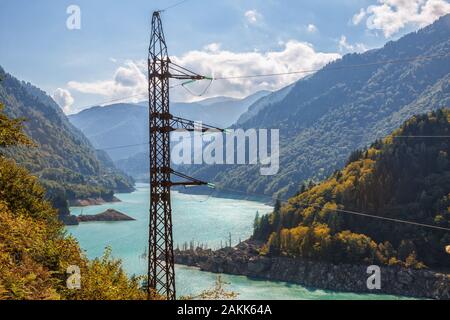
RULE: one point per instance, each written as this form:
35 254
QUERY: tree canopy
35 251
404 176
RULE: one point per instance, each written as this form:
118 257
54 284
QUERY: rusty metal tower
161 272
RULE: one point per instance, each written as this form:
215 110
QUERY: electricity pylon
161 272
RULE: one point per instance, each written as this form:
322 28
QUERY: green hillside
63 159
397 177
34 249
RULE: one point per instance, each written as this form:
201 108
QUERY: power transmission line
327 69
346 211
146 143
421 137
96 246
363 214
183 84
394 137
99 104
334 68
173 5
124 146
385 218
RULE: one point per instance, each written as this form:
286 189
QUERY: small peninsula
108 215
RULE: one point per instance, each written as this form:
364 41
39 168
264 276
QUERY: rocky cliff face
244 259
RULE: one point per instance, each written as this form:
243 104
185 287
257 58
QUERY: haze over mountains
127 124
322 118
345 106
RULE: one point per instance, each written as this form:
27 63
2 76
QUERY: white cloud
64 99
213 47
357 18
311 28
293 56
344 46
129 75
391 16
128 80
253 16
213 61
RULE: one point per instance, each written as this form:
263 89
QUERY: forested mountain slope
62 158
35 251
347 105
404 176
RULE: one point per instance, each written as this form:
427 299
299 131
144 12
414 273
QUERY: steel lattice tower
161 272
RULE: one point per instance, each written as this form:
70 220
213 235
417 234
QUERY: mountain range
321 118
345 106
126 124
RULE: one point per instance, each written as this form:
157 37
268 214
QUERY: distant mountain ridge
114 125
125 124
264 102
342 107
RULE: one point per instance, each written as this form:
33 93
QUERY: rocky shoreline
108 215
70 220
91 201
244 259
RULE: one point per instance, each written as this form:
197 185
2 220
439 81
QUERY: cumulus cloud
64 99
390 16
311 28
213 47
344 46
293 56
214 61
129 75
128 80
253 16
357 18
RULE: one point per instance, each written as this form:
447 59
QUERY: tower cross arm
178 123
190 181
181 73
186 77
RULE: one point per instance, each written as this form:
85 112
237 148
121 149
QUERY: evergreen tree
256 222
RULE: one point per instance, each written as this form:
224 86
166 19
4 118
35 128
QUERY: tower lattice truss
161 272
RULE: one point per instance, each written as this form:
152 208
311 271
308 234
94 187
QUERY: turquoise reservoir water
198 218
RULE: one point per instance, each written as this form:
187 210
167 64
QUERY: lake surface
199 218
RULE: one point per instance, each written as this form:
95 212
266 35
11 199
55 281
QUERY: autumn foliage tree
404 176
35 251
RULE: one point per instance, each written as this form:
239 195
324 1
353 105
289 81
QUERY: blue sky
87 66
